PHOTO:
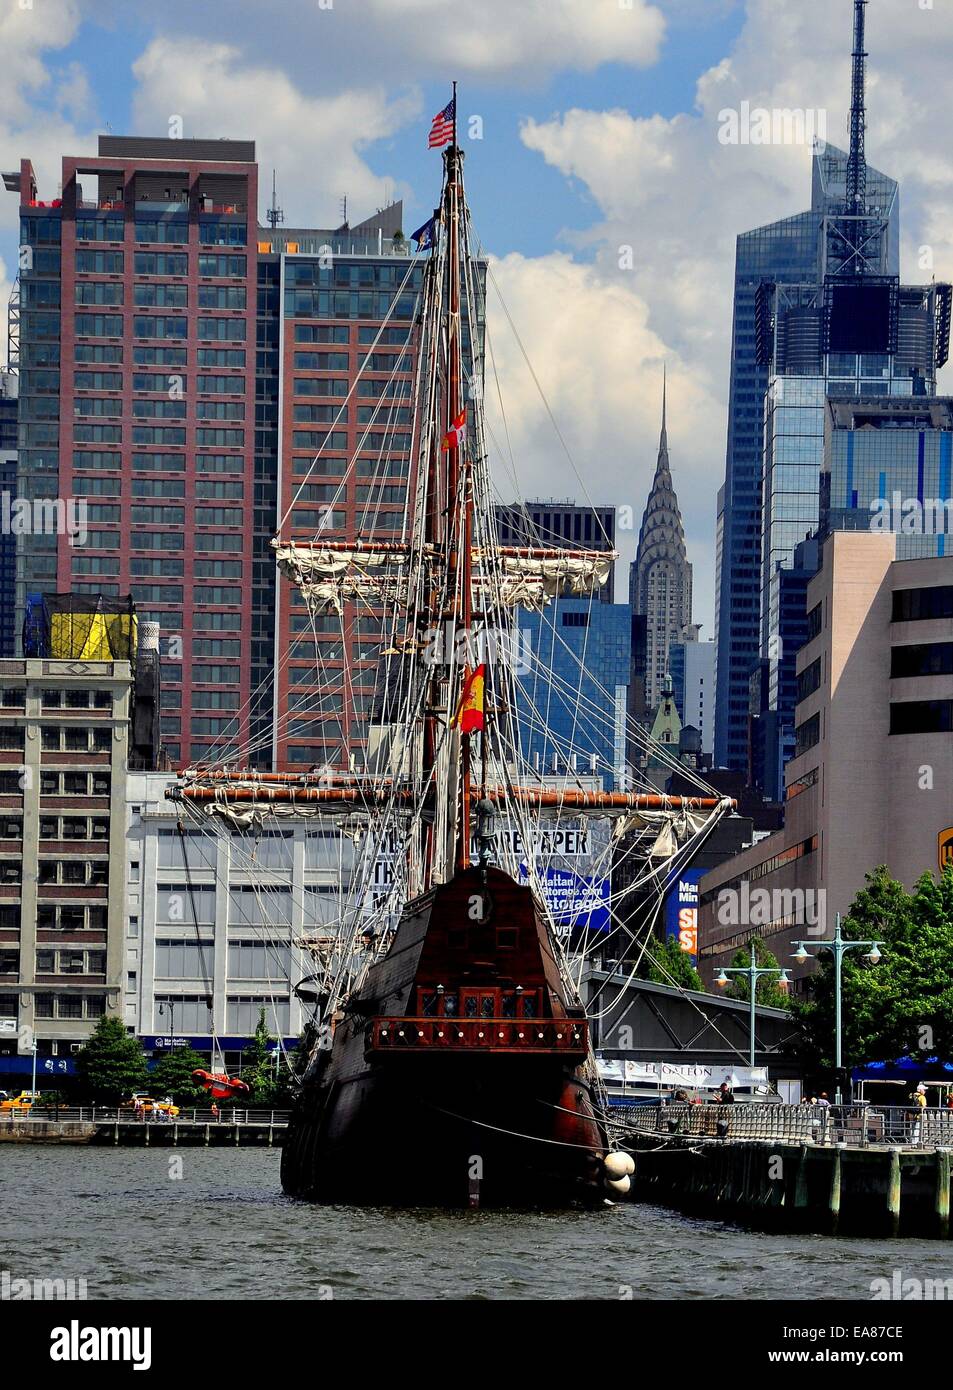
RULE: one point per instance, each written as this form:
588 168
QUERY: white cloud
505 41
40 110
599 365
668 188
313 142
519 42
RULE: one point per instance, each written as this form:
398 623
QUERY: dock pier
99 1125
844 1171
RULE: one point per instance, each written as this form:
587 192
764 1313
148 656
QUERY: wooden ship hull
458 1075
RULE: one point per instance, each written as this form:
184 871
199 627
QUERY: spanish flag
469 713
454 436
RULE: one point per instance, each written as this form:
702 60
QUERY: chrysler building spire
660 582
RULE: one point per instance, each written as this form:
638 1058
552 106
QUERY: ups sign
945 848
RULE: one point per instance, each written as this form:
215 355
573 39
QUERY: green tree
666 963
111 1064
269 1086
768 991
172 1076
902 1005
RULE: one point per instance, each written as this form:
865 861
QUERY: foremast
448 532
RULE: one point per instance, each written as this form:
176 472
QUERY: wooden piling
942 1200
800 1182
833 1203
893 1191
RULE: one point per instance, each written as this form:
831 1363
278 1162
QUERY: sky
597 173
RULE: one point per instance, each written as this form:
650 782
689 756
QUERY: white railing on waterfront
104 1114
856 1125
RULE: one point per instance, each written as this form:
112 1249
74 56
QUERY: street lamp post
170 1005
838 946
33 1086
754 972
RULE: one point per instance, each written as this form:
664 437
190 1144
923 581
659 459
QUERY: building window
917 605
922 659
922 717
806 735
809 680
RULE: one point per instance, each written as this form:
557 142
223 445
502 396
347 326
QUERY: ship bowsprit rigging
442 969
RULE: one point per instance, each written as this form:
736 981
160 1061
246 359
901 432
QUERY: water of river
122 1220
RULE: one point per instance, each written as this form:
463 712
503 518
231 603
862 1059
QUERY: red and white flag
441 132
456 433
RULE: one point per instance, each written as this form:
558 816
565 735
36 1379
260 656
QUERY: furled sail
330 575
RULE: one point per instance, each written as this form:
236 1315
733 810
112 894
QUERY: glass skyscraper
779 312
571 702
8 485
781 252
887 466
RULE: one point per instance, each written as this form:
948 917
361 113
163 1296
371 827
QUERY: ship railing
520 1035
857 1126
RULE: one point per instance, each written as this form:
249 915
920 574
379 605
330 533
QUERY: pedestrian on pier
215 1111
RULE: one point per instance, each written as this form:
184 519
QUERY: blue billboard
681 910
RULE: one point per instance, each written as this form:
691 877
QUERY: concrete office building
64 742
692 668
874 711
219 925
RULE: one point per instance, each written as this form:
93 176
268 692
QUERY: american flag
441 132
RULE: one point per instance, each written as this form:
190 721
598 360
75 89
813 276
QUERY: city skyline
608 145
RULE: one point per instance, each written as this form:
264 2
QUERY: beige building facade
871 781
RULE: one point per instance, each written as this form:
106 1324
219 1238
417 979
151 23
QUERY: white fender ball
620 1185
619 1165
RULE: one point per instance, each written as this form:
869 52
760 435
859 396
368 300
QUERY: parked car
23 1101
146 1105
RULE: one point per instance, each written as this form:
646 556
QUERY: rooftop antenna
856 162
344 211
274 213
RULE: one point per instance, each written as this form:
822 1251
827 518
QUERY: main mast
459 483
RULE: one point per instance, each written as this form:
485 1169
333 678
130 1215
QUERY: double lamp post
839 947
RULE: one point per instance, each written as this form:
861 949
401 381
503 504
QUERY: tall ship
448 1060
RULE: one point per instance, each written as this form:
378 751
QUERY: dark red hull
445 1110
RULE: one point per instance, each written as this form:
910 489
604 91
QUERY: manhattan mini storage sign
572 864
681 910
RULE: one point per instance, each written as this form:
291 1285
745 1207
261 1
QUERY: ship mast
459 484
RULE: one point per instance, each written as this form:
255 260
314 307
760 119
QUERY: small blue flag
424 236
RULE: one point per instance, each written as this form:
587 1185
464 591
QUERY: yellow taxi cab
21 1102
146 1105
